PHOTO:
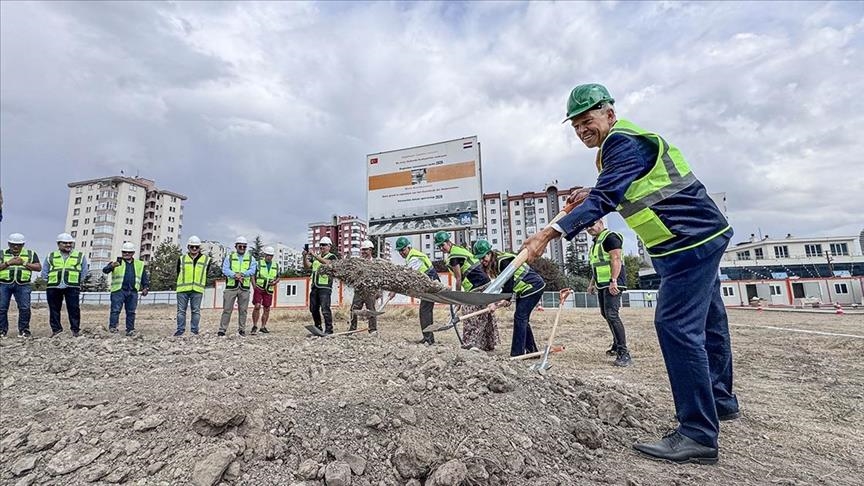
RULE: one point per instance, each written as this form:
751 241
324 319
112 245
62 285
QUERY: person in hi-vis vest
368 300
128 277
17 265
238 267
321 284
63 271
650 184
609 281
192 270
263 285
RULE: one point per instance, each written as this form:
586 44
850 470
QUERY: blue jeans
192 299
22 298
693 331
119 300
523 337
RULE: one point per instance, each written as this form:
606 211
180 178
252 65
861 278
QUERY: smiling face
593 126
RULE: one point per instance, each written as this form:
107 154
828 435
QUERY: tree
214 272
163 267
632 264
89 283
551 273
40 283
102 284
571 262
257 248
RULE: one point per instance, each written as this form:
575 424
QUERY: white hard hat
127 247
65 238
367 245
268 250
194 240
241 240
325 241
17 239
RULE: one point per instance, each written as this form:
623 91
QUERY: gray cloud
263 113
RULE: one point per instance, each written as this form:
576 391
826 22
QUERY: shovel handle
535 354
349 332
475 314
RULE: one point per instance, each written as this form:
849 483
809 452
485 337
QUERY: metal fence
630 298
168 297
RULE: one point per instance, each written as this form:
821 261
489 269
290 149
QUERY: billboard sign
423 189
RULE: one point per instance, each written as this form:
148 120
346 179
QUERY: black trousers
609 306
319 304
73 307
426 319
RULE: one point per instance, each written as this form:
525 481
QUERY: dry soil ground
284 408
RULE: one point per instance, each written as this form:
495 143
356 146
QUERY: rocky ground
284 408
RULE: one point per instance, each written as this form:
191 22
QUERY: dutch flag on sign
467 144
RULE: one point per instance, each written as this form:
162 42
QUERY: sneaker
194 333
373 332
131 333
254 331
329 331
220 333
112 330
729 416
613 351
74 333
24 334
241 332
55 333
179 333
2 334
264 330
623 359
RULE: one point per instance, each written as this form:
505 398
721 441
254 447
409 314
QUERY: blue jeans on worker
22 299
119 300
693 331
193 300
523 337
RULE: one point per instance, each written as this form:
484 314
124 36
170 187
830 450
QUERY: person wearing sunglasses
192 270
238 267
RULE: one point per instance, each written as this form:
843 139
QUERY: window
83 244
130 198
428 236
89 198
170 219
518 242
133 188
841 288
542 220
518 221
76 212
127 232
516 203
171 230
172 209
290 290
494 241
494 221
781 251
74 234
494 231
759 253
74 223
541 210
492 211
775 290
519 232
77 200
728 291
516 213
840 249
130 209
813 250
743 255
173 199
85 233
79 190
86 220
87 210
428 246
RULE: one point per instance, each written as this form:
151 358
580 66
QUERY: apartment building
215 249
288 257
104 213
346 233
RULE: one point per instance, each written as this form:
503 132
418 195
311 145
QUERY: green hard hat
402 243
586 96
441 237
481 248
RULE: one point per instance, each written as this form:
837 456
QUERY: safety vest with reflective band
193 274
525 280
17 273
264 278
119 273
66 270
319 279
426 266
467 264
646 198
239 266
601 262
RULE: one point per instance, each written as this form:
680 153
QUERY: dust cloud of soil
371 276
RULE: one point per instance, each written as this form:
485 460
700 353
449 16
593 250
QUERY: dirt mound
372 276
358 410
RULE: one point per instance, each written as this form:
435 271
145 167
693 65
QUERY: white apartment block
104 213
215 249
288 257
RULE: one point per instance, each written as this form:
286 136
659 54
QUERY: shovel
456 319
454 297
369 313
536 354
318 332
496 285
544 365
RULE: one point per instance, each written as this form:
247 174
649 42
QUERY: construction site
289 409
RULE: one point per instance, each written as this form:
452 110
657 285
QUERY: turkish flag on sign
373 161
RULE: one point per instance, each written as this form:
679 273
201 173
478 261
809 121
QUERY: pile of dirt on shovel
355 410
371 276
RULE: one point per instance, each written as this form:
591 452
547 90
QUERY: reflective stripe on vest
520 287
425 262
600 261
17 273
66 270
119 273
264 278
240 266
319 279
670 175
459 252
193 274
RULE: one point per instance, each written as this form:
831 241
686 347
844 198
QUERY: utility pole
830 263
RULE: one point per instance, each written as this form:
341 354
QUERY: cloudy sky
263 113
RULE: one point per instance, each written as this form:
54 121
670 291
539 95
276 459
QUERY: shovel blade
462 298
366 313
315 331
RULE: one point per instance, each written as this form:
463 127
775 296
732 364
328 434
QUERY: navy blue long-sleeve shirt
129 276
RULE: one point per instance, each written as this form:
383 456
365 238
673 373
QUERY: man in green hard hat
650 184
417 260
